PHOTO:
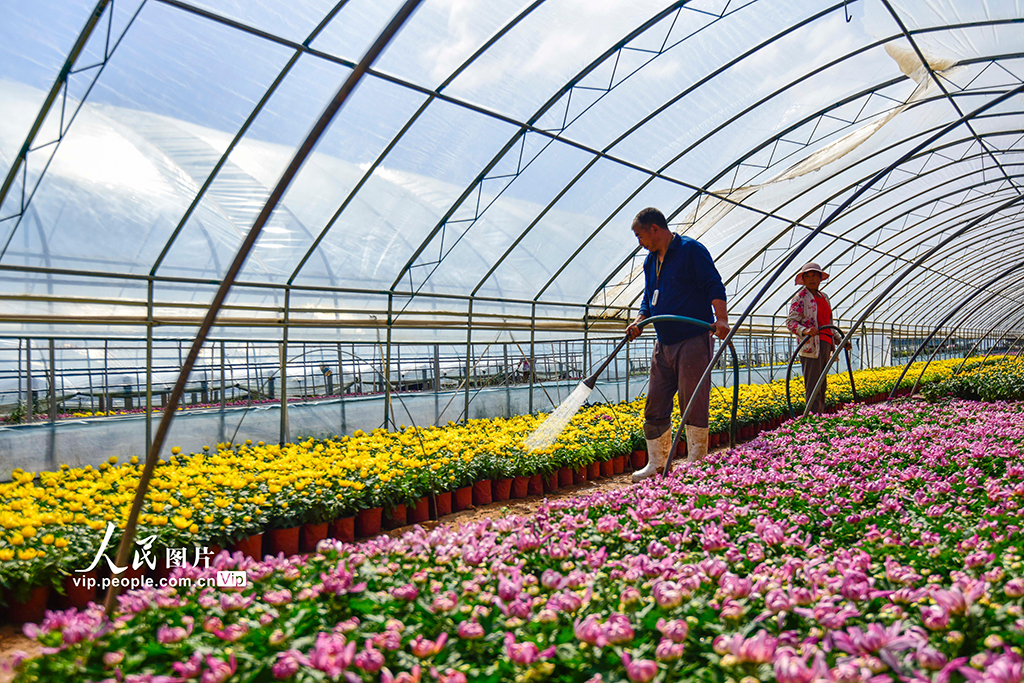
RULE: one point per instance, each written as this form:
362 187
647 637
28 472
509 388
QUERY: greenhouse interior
336 343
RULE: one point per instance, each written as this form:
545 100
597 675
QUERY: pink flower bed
878 544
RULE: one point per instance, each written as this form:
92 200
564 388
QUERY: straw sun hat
808 268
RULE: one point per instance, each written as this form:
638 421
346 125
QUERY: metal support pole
88 366
356 379
30 401
533 341
750 345
386 361
149 365
106 376
223 384
469 359
588 360
437 384
53 383
341 390
282 374
629 368
508 391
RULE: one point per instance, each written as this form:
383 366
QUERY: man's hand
634 330
720 329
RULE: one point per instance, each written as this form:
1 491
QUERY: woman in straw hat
809 311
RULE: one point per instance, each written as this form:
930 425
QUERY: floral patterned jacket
803 315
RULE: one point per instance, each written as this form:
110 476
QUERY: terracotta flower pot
444 504
565 476
550 482
680 451
501 489
282 541
394 517
579 475
30 610
463 498
418 513
607 468
77 592
368 522
520 487
482 492
713 440
344 529
536 486
310 535
619 464
593 470
638 459
251 546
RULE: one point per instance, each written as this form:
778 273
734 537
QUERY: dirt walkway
12 639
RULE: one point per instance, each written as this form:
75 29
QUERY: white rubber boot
657 456
696 443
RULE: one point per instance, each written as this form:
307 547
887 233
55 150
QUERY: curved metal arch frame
243 129
917 383
894 260
60 84
521 133
872 218
936 29
949 316
182 5
1001 336
837 212
984 336
938 81
1008 296
401 133
298 159
769 97
877 250
896 257
1019 199
923 280
821 206
906 307
700 192
855 243
617 268
817 115
867 202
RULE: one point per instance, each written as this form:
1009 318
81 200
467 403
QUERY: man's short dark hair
651 216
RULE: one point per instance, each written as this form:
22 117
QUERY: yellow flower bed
53 523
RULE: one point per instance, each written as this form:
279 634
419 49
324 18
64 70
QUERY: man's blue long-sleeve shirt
687 285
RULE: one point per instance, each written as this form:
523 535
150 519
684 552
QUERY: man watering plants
679 279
